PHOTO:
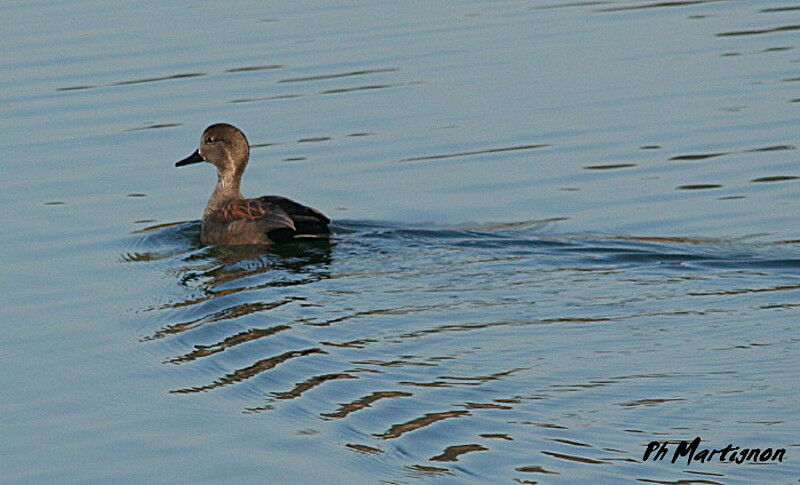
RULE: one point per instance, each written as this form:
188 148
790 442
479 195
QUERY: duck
229 219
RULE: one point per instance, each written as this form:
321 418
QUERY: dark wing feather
279 218
307 221
270 219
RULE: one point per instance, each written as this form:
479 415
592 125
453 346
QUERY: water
564 230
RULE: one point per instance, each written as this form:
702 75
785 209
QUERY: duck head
223 145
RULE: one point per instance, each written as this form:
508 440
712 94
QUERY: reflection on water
390 335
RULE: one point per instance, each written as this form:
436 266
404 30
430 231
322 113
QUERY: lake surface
564 230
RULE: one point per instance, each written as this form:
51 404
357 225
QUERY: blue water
563 230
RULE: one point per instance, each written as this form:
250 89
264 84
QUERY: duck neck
227 189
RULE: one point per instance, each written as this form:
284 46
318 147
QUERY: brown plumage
230 219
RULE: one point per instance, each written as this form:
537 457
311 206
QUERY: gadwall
230 219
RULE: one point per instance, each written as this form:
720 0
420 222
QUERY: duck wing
281 219
308 222
258 216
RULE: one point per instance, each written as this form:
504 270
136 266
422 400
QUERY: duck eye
210 140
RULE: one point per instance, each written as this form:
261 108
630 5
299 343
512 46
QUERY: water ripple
736 33
250 371
338 75
473 152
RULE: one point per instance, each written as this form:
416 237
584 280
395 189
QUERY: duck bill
193 158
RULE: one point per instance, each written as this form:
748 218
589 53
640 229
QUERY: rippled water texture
563 230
